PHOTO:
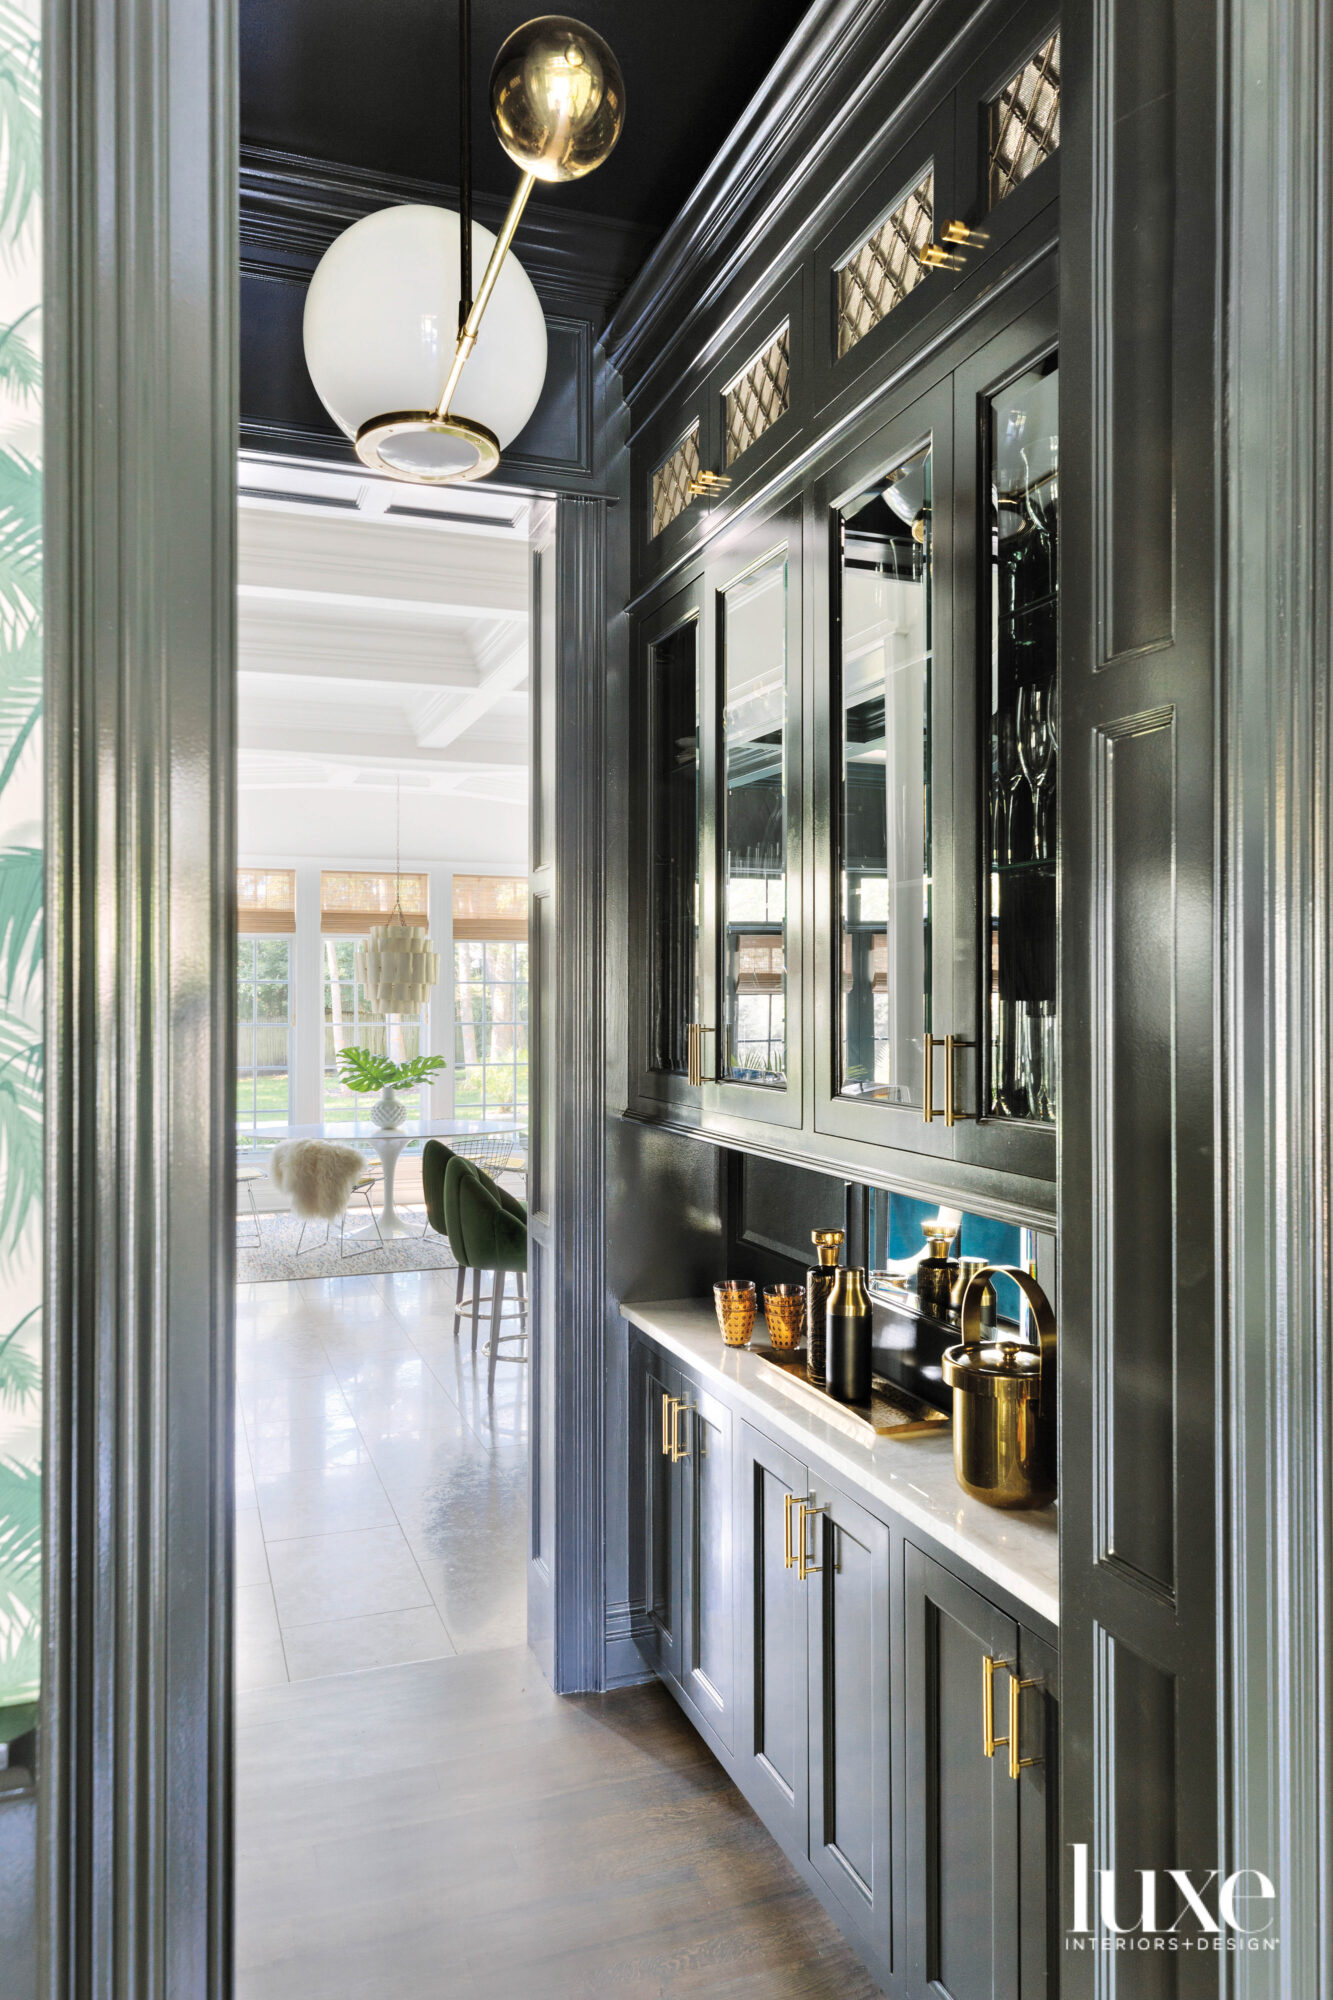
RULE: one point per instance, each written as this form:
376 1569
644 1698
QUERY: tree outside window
263 1032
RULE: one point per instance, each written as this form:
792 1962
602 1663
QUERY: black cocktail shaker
847 1336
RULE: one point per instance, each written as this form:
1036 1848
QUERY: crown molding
293 206
766 173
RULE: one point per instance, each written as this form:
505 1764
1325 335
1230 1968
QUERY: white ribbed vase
397 968
388 1109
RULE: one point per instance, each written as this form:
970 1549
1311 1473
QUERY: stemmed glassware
1008 776
1036 754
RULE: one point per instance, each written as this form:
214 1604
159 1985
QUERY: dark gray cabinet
978 1726
815 1645
838 1671
851 1689
655 1407
683 1568
708 1568
774 1747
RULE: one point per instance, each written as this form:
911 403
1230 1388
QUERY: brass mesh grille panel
758 396
671 481
1025 120
888 266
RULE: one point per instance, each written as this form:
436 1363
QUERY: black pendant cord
464 160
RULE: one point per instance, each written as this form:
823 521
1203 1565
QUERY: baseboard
624 1663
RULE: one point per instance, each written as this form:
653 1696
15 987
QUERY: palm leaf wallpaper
21 872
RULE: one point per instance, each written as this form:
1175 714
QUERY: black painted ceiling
373 84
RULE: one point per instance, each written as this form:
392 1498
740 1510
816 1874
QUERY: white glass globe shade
381 323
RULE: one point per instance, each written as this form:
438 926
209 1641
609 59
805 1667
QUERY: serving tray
891 1411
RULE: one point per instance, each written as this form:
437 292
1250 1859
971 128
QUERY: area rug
275 1258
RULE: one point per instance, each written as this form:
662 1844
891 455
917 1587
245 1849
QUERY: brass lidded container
1004 1423
818 1285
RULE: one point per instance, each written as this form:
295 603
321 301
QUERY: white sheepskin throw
318 1176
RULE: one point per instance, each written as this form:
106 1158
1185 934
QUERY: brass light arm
471 327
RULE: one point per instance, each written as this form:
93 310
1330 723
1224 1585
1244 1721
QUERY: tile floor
381 1496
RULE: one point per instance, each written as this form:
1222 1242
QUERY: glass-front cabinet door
715 956
1007 508
751 1047
667 964
882 785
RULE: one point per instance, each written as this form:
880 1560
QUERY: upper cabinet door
1006 750
667 970
753 915
884 725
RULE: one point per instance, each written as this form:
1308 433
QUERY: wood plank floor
452 1828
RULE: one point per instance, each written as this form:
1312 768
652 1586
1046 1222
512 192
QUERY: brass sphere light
376 311
557 98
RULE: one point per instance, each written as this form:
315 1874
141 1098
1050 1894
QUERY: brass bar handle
928 1091
679 1449
694 1053
951 1113
805 1568
788 1544
1016 1691
668 1409
990 1742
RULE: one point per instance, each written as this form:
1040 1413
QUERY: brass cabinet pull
788 1543
1016 1690
679 1448
952 1043
990 1742
668 1408
804 1567
928 1092
694 1052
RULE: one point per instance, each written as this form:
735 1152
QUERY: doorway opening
381 1343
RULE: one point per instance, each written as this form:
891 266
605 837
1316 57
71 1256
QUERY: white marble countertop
914 1476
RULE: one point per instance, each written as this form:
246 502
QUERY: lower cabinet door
772 1753
847 1560
961 1806
655 1442
707 1621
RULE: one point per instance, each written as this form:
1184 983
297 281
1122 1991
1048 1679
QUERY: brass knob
965 238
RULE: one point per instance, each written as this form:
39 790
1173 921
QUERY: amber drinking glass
784 1310
736 1306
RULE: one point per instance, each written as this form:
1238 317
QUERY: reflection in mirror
674 725
885 817
1023 424
754 909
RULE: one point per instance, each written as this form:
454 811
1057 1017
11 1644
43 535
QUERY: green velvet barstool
488 1229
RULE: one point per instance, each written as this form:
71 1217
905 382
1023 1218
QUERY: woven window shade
352 900
266 901
490 909
759 963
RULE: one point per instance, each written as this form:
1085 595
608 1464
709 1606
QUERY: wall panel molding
1276 750
140 550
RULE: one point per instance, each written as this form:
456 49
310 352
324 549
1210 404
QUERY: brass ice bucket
1004 1425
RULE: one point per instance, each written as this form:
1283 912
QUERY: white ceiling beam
378 751
450 716
464 604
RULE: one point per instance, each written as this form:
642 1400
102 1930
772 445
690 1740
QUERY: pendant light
425 396
396 966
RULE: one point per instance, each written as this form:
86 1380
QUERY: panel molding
1276 747
140 335
293 206
1110 984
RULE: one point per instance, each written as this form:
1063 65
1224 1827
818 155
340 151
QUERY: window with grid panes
490 1028
349 1022
263 1032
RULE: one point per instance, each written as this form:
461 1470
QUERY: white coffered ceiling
383 643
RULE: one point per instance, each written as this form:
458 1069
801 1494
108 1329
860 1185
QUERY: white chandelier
385 351
396 967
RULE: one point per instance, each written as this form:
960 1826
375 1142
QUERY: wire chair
491 1151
